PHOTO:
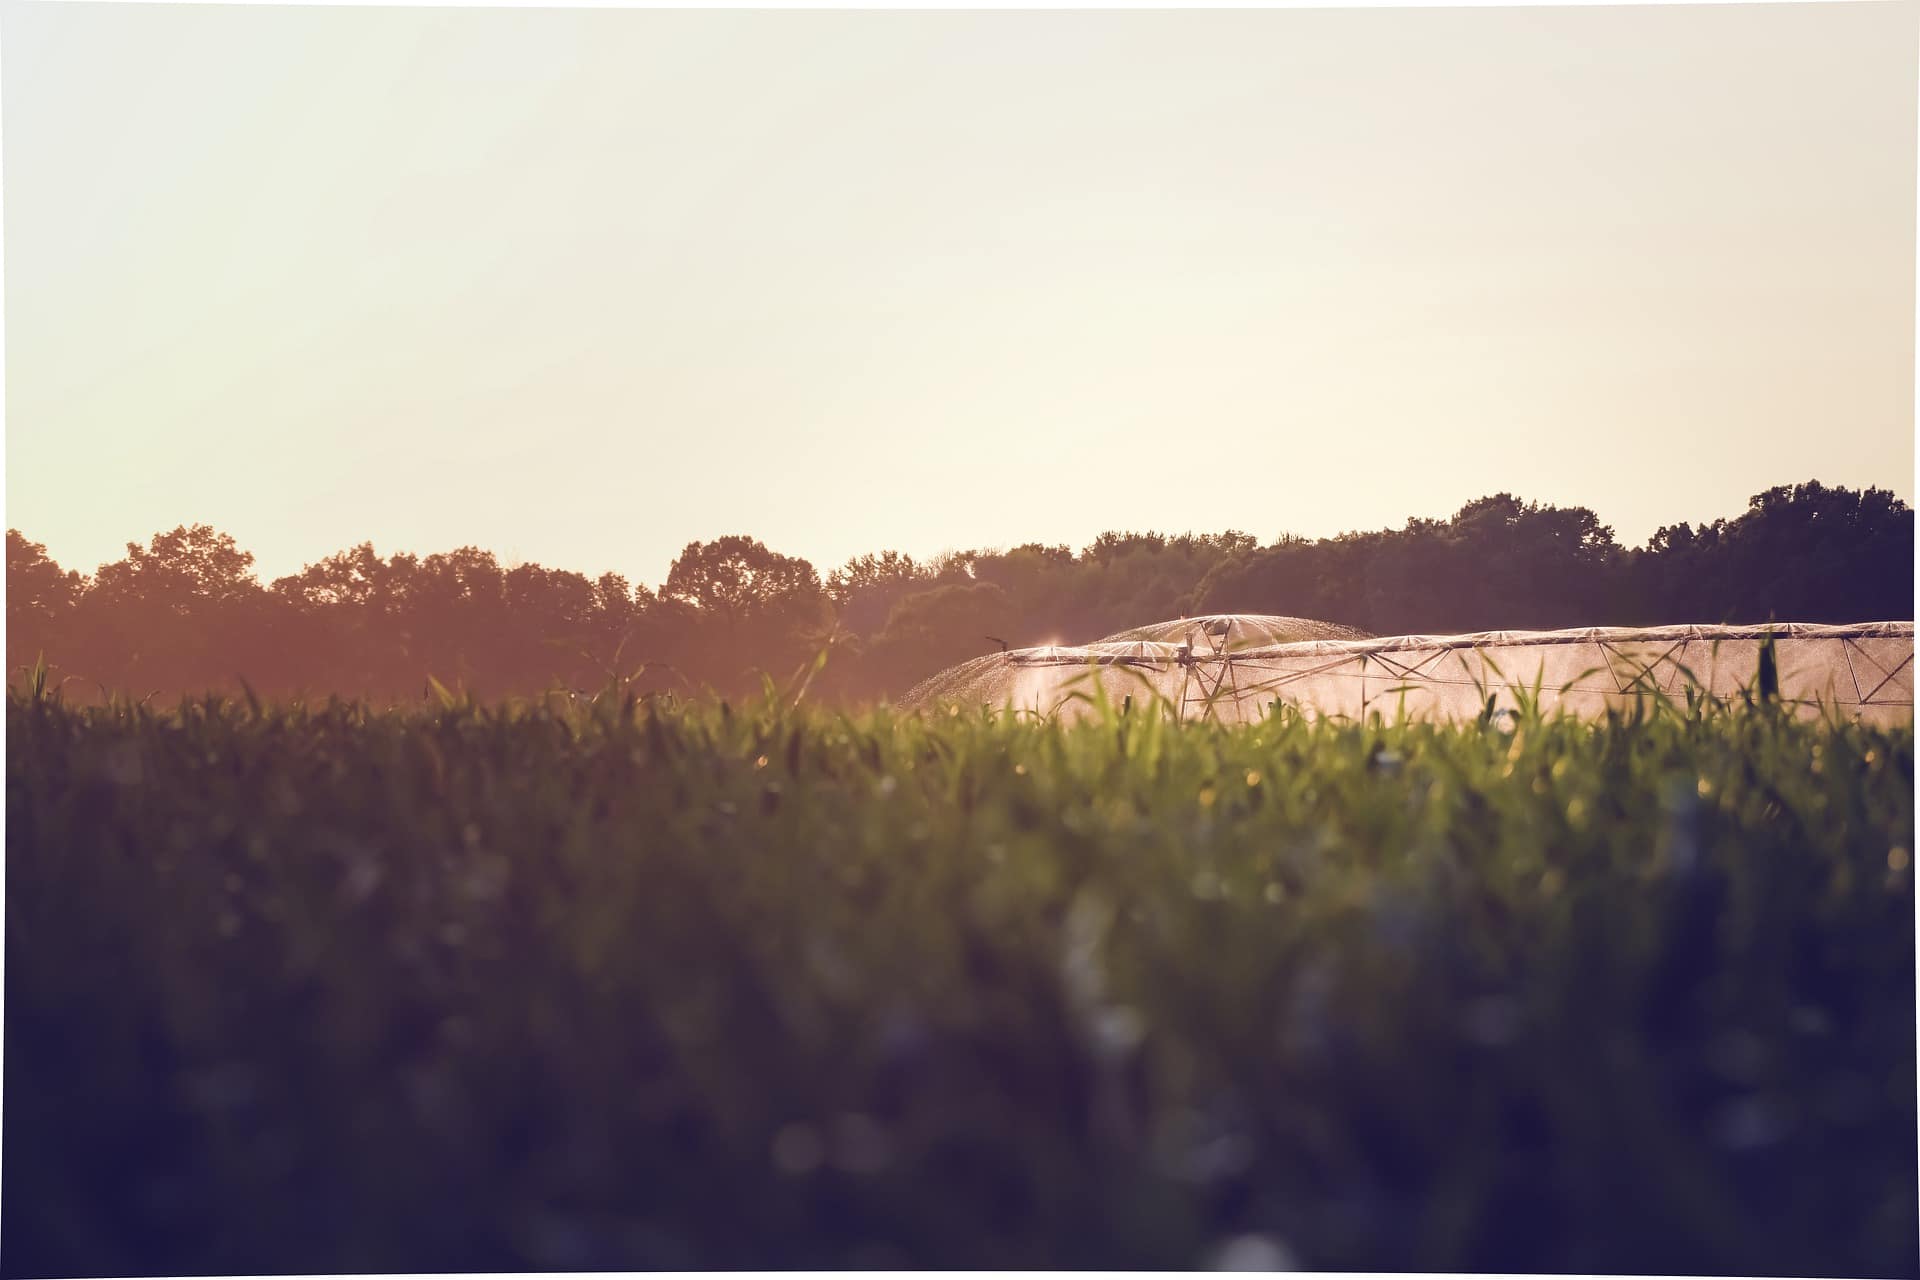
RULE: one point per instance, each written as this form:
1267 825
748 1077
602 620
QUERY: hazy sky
580 287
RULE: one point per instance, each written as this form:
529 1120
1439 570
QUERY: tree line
187 613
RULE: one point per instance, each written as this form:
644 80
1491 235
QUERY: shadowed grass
633 984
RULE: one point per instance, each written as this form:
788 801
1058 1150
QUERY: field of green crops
634 986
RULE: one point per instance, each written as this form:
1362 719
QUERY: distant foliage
1806 553
186 614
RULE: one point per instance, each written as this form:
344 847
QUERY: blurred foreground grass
330 989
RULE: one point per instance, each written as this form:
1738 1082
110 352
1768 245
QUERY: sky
580 287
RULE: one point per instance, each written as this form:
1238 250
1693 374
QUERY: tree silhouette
38 590
747 608
182 613
863 590
191 566
185 614
1804 552
40 600
933 629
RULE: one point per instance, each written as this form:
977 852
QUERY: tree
191 566
38 589
182 614
40 600
932 630
736 578
749 608
1523 565
1805 553
356 577
865 588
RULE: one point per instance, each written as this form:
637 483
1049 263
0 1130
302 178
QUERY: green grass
329 989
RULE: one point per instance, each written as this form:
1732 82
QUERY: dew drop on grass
1749 1123
557 1242
1253 1252
1491 1021
227 1087
1118 1030
1737 1055
1844 1098
1810 1020
363 878
123 765
860 1145
798 1149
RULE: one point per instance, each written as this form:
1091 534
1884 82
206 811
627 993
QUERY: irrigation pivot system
1237 667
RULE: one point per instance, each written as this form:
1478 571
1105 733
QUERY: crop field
640 985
